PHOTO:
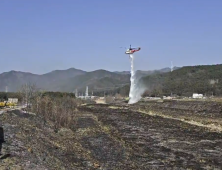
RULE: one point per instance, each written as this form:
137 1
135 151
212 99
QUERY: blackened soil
86 122
157 142
116 136
108 152
204 112
33 144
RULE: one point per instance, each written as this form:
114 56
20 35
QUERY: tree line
26 92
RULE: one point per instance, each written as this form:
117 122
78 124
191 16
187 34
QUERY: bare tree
28 92
60 110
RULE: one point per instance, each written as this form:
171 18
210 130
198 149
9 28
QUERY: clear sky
39 36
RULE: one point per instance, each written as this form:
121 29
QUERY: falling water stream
133 95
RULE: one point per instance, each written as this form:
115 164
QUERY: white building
12 100
197 96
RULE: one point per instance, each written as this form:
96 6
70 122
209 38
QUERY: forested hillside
204 79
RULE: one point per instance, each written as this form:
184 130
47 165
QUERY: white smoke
136 90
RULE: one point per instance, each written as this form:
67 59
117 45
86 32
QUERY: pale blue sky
43 35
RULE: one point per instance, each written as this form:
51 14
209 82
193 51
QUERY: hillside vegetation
96 80
205 79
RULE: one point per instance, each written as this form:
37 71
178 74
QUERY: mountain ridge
68 80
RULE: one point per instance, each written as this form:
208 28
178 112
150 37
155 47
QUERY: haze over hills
70 79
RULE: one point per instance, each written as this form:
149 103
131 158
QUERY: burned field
168 135
155 141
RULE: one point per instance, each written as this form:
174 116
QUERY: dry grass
218 99
100 101
114 107
210 126
109 99
61 111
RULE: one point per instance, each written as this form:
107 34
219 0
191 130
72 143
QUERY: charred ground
151 135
